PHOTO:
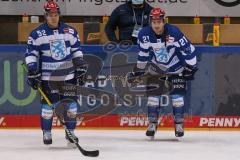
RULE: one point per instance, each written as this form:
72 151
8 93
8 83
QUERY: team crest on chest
58 49
161 55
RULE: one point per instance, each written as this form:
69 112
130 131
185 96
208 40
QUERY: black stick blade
94 153
91 153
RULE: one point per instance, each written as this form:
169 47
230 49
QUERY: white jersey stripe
58 78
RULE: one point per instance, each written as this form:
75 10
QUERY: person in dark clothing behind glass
129 18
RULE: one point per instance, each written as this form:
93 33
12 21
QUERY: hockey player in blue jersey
54 55
168 51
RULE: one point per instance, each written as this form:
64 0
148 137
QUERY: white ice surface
121 145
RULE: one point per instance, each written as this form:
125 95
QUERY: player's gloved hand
80 71
189 72
80 75
135 76
34 79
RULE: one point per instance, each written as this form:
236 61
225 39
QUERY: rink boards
212 100
125 122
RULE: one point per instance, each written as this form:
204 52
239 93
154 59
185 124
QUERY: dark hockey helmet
157 13
51 7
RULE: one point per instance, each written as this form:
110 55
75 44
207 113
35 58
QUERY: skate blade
71 145
151 138
180 139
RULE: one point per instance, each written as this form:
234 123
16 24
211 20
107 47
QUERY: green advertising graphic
7 79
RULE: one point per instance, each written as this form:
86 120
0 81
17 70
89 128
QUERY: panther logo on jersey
58 49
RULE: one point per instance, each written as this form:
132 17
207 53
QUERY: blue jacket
122 18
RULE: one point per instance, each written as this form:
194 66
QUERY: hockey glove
34 79
80 75
135 76
80 71
189 72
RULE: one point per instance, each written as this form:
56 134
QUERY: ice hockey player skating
53 55
168 51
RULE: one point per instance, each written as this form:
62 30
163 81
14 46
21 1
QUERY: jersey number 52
41 33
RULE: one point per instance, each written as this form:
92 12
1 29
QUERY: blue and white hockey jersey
51 51
170 52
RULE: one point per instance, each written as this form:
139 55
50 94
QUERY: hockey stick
145 77
94 153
